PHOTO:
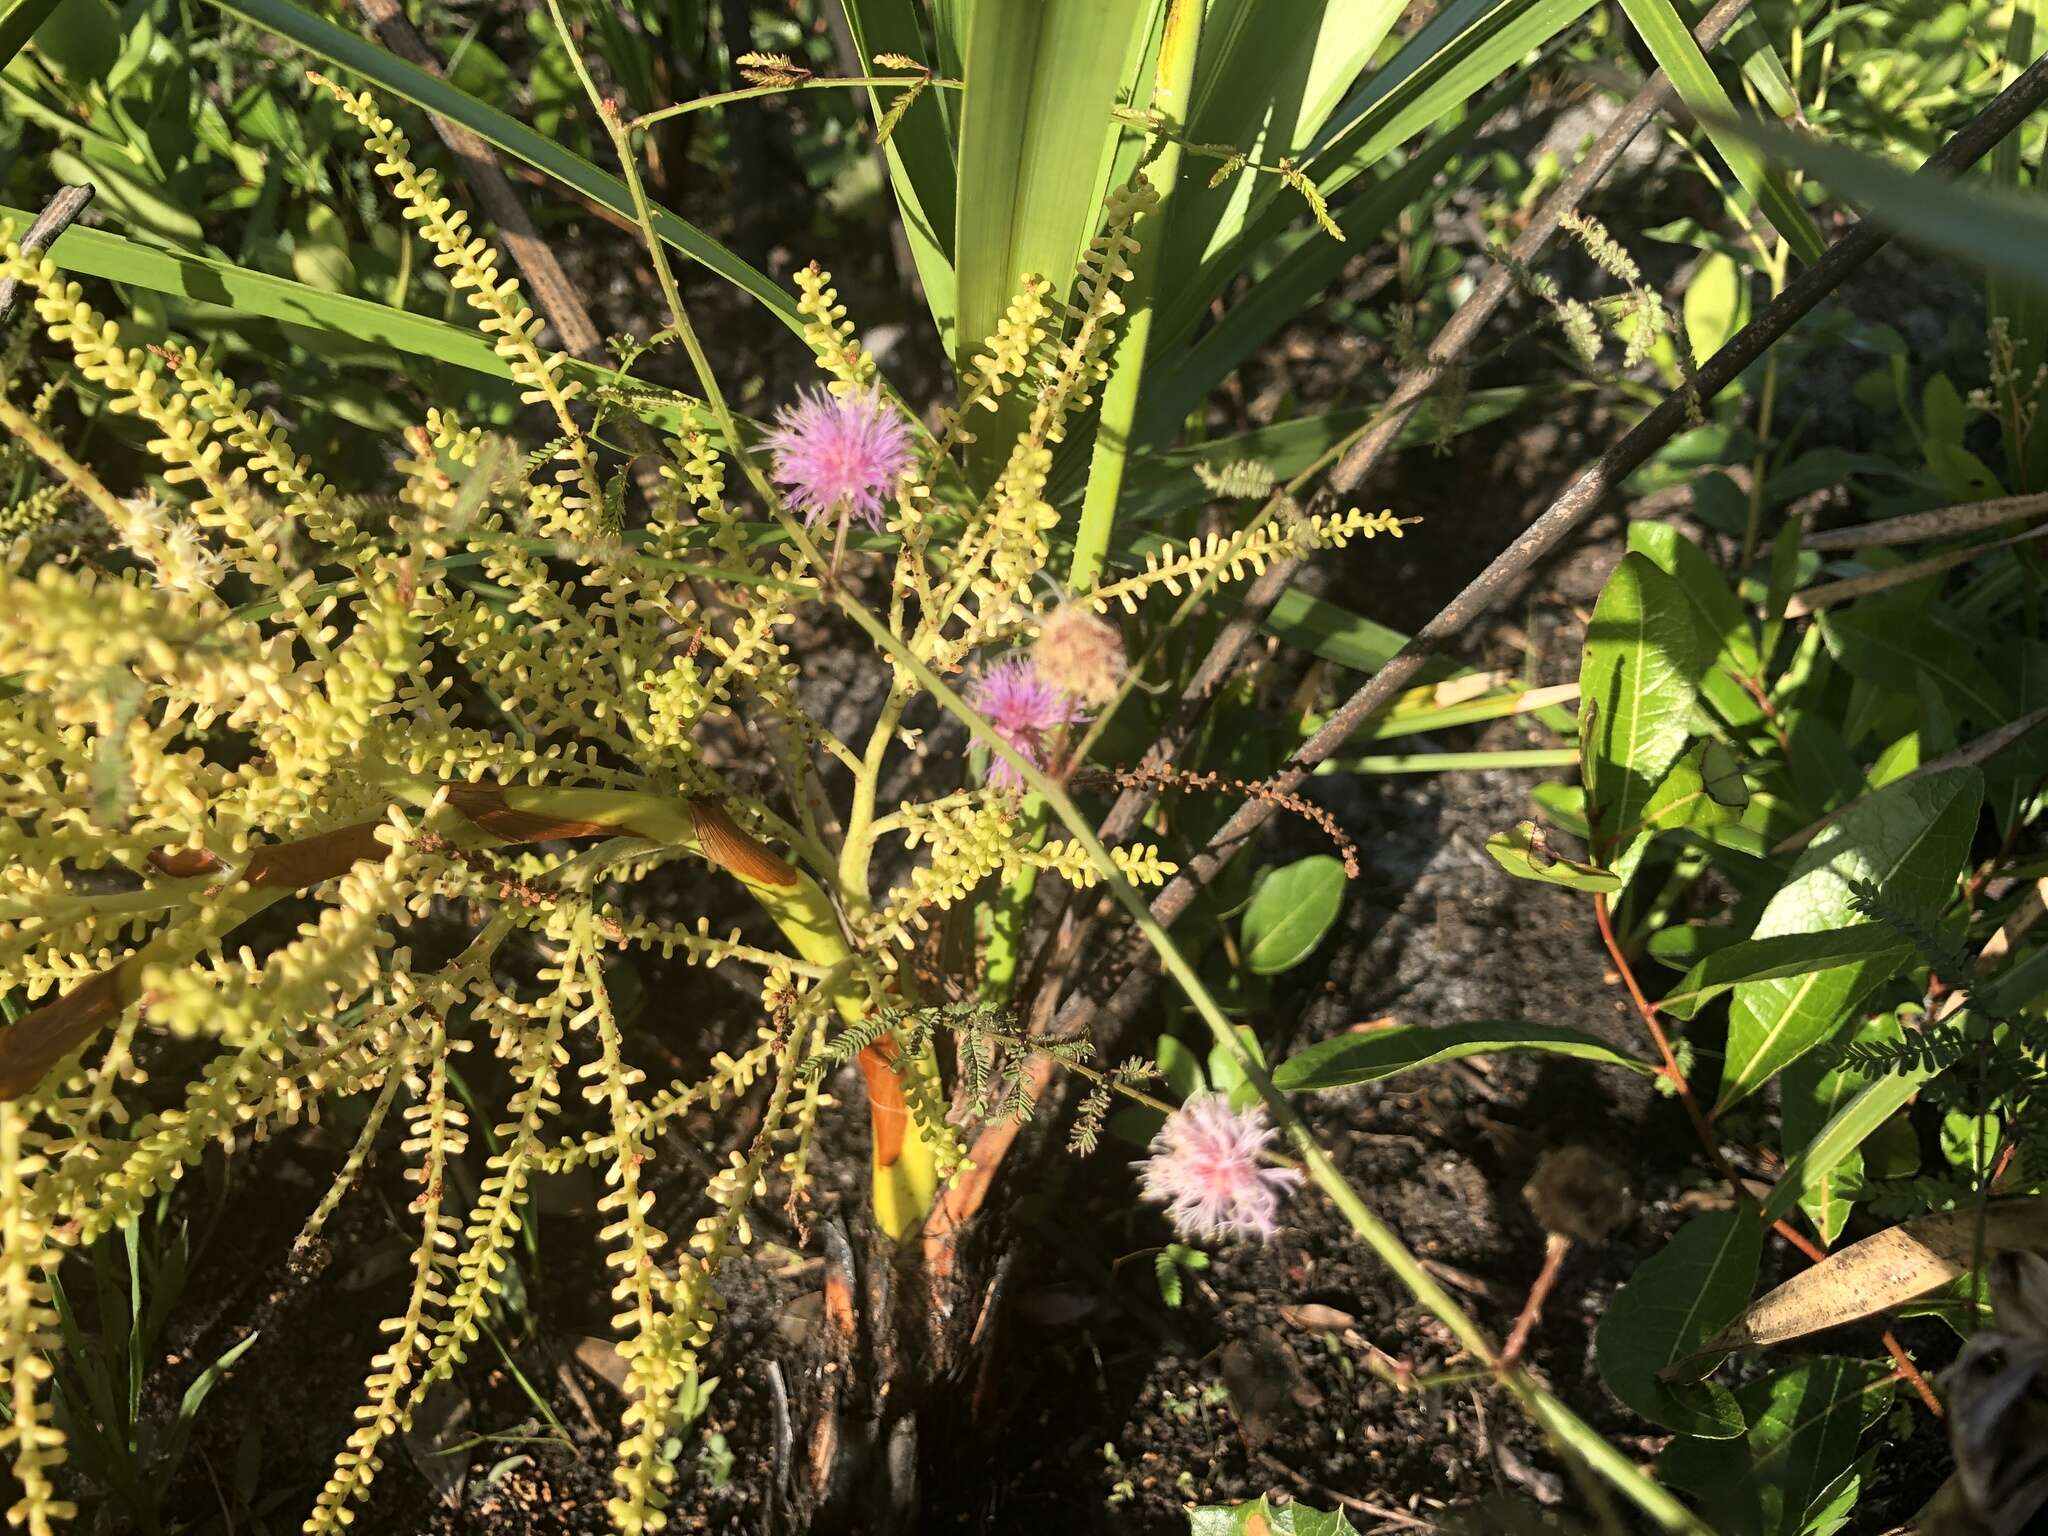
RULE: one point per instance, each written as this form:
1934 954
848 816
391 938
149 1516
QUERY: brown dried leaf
1883 1271
1313 1315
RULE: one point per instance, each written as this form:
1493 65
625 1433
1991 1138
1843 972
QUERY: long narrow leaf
1293 282
1036 137
919 152
18 22
394 75
1671 42
2003 233
353 321
1452 58
1267 90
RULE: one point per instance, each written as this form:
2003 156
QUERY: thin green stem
748 93
1555 1418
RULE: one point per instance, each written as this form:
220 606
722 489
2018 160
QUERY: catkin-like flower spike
1231 556
472 266
28 1335
438 1134
830 334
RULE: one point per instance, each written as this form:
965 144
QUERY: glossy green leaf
1367 1055
1671 42
1637 685
1805 1424
1291 913
1677 1299
1792 954
1523 853
390 74
1828 1115
1682 800
1262 1518
1908 840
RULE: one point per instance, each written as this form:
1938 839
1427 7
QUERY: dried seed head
1577 1193
1081 653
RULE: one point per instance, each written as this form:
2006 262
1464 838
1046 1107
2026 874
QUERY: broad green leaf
1683 799
1716 307
1997 231
1714 605
919 153
1637 685
1828 1114
1671 42
1677 1299
1908 840
1804 1427
1521 851
1886 1270
1293 910
1260 1518
392 75
1892 643
1367 1055
1036 137
1794 954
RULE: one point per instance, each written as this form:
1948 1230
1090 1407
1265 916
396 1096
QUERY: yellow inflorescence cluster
274 689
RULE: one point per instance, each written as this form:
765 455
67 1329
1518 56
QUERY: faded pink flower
840 453
1024 708
1205 1169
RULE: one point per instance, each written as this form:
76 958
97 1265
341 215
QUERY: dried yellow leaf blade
1886 1270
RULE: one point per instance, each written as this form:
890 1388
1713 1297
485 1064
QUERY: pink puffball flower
840 453
1016 699
1205 1169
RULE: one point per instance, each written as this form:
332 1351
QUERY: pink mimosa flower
1205 1169
840 453
1024 708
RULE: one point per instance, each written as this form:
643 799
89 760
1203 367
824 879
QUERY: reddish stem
1554 1250
1907 1371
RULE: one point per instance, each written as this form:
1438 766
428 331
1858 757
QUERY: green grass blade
18 22
1457 54
1036 139
352 321
919 152
1291 285
1268 90
1672 44
1176 73
393 75
2003 233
